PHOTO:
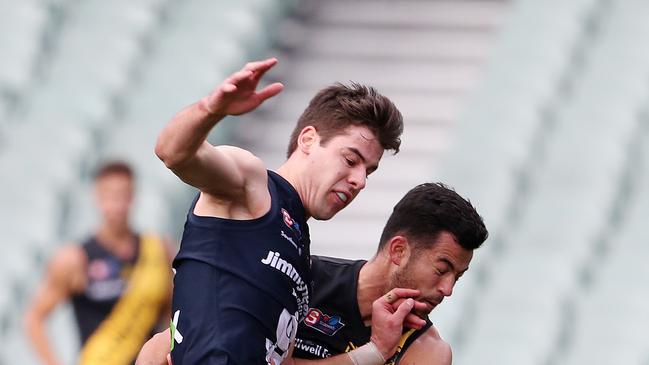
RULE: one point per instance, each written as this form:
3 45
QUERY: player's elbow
171 157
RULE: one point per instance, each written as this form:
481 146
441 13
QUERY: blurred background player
117 280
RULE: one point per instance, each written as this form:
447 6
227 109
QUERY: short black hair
431 208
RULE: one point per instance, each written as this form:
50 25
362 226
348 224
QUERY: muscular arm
429 349
388 318
223 172
62 278
156 350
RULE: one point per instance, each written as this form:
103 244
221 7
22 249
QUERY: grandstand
538 111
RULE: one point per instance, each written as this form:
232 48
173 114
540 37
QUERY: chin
422 314
323 217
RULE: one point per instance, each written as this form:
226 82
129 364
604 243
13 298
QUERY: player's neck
371 285
290 172
119 240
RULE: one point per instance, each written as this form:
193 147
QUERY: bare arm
429 348
156 350
61 279
182 146
387 326
389 314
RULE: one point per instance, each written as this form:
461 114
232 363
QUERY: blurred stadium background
538 111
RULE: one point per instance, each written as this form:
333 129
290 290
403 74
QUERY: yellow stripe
121 335
402 342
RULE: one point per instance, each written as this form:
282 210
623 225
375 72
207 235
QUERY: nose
358 178
446 285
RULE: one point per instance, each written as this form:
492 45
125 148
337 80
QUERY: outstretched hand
388 318
238 93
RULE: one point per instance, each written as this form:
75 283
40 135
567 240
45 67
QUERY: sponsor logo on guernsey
322 322
312 348
288 238
290 223
300 289
105 280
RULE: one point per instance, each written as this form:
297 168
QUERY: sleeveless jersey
107 279
122 301
334 325
241 286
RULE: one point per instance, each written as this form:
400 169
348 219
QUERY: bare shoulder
66 268
246 196
249 162
429 348
68 258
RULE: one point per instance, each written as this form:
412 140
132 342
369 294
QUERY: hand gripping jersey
122 301
241 286
334 325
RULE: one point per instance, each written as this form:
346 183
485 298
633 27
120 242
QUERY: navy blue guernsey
241 286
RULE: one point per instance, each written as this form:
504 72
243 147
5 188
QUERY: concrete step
412 13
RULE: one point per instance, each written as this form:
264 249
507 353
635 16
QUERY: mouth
342 196
432 304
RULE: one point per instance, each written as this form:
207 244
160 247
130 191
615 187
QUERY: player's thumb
404 309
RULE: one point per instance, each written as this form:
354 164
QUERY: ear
398 250
308 138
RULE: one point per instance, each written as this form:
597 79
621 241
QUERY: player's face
338 170
434 271
114 195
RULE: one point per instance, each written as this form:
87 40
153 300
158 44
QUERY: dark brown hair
114 168
337 107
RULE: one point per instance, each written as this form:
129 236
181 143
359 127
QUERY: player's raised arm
222 171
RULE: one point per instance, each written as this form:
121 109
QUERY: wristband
367 354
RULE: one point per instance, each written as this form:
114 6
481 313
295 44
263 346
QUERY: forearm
37 335
181 139
342 359
367 354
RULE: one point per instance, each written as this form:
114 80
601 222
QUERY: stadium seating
569 162
86 81
550 142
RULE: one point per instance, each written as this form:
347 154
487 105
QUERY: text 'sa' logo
322 322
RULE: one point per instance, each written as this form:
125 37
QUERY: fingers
253 71
399 293
406 293
270 91
404 309
420 306
169 359
230 84
413 321
261 66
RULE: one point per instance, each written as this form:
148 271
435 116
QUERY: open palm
238 93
